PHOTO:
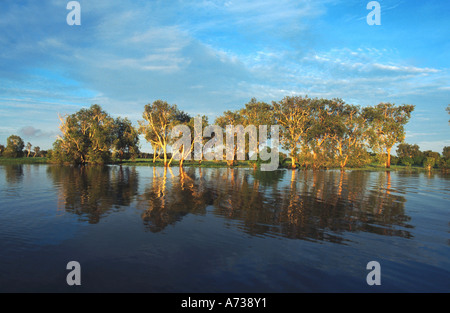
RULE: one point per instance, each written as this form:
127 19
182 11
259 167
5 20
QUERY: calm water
143 229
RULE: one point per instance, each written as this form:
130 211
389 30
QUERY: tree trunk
165 156
388 160
154 153
293 162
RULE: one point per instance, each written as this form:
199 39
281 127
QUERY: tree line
315 133
16 148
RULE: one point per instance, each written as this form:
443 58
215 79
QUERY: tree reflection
92 191
320 205
169 197
13 173
309 205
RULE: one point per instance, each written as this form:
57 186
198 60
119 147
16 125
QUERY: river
147 229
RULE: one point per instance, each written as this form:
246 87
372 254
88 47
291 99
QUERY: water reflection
93 191
13 173
169 197
321 205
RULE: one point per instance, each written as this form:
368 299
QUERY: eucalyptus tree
292 114
36 150
229 119
14 147
159 118
446 152
258 114
126 139
87 137
325 119
387 123
28 148
197 139
350 134
180 149
409 154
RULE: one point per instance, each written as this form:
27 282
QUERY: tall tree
409 154
326 124
293 116
28 148
350 133
126 139
200 140
387 123
37 150
446 153
230 118
14 147
258 114
159 118
87 136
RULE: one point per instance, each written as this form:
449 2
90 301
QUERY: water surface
145 229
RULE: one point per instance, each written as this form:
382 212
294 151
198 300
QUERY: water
144 229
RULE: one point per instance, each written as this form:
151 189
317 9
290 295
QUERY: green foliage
89 135
387 123
407 161
126 139
444 163
2 149
14 147
446 153
159 119
429 162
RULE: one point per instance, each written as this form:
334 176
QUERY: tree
28 148
37 150
429 162
87 137
350 133
387 123
409 154
126 139
159 118
230 118
445 160
200 139
293 116
2 149
14 147
446 153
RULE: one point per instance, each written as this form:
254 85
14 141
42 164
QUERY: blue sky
210 56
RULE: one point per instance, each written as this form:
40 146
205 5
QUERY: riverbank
218 164
31 160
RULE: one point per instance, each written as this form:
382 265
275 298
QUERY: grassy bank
149 162
218 164
30 160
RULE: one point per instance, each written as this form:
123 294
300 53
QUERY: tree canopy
315 132
89 135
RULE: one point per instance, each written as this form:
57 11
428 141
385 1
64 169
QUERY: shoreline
221 164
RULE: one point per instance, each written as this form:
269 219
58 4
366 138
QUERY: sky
209 56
